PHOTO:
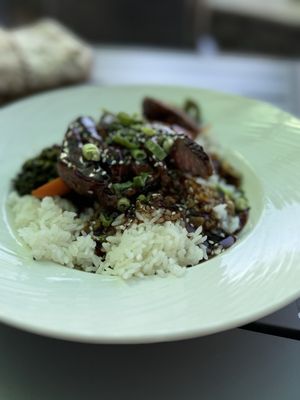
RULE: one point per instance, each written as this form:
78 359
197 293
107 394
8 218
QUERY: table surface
231 365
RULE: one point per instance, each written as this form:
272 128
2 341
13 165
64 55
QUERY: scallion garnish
140 180
142 198
125 141
193 110
91 152
105 220
123 204
148 131
138 154
119 187
155 149
167 144
125 119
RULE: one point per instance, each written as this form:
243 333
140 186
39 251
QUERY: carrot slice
55 187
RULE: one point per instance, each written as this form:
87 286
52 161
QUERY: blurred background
245 47
266 27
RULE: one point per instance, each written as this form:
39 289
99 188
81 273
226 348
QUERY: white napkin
41 56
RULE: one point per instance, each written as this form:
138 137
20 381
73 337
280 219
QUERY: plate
258 275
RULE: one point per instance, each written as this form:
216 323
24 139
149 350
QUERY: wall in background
157 22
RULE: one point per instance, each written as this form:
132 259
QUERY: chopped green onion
241 204
125 119
136 126
148 131
105 220
140 180
156 149
91 152
123 204
119 187
142 198
193 110
124 141
138 154
167 144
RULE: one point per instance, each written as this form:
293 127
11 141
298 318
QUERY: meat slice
87 178
156 110
190 157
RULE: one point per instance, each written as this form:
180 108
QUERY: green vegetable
127 120
120 187
105 220
167 144
138 154
125 141
137 126
156 149
37 171
193 110
241 204
124 118
140 180
91 152
142 198
123 204
148 131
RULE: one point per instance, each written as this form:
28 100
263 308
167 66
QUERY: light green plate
258 275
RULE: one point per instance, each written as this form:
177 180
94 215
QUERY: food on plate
130 195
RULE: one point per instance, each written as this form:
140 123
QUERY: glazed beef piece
190 157
85 177
156 110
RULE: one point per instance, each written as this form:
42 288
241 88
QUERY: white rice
229 223
148 248
53 231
